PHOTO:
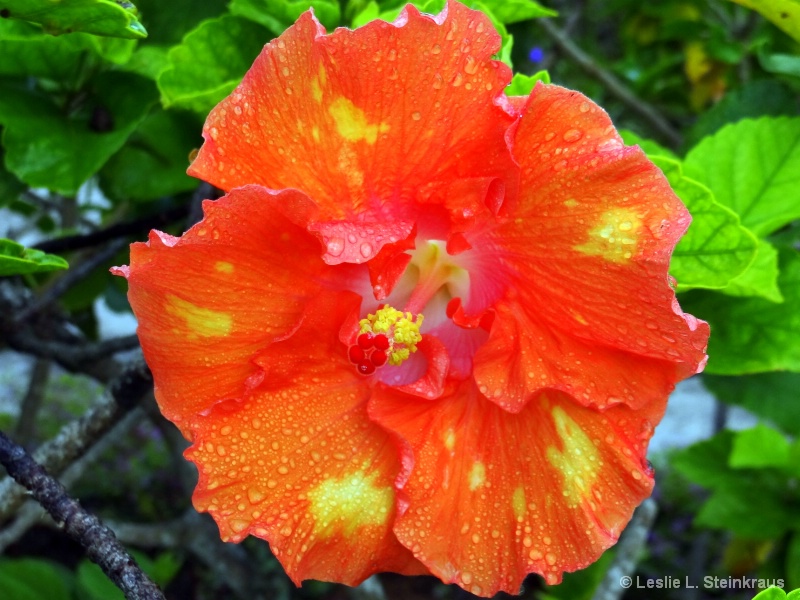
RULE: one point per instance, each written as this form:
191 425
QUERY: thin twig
95 238
629 552
25 429
99 541
73 357
614 85
70 278
77 437
31 513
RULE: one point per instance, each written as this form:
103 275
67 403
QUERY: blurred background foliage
101 107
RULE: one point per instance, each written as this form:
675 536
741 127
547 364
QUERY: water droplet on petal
416 116
436 49
573 135
366 249
471 65
335 246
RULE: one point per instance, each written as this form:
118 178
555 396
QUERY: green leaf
793 564
780 64
153 162
34 579
369 13
514 11
210 62
772 593
753 335
760 278
732 509
759 447
753 167
28 51
16 259
100 17
706 463
795 595
771 396
716 248
148 61
755 99
10 186
168 22
277 15
783 13
94 585
649 147
41 140
522 85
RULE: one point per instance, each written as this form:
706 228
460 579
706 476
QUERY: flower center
389 335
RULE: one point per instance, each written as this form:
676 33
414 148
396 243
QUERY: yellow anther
401 328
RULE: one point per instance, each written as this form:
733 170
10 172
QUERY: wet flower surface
430 328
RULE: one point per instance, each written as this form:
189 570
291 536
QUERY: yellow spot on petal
450 439
315 133
201 322
352 124
615 237
347 504
223 267
518 502
578 461
318 83
477 476
571 203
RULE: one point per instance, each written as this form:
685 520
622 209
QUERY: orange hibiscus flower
430 328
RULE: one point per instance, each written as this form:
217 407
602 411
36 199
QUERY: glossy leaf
99 17
277 15
41 141
10 186
210 62
759 447
168 22
716 248
34 579
772 593
753 335
772 396
755 99
760 278
753 167
521 84
16 259
650 147
514 11
153 162
28 51
783 13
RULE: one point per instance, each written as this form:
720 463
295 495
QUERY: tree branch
614 85
99 541
629 551
77 437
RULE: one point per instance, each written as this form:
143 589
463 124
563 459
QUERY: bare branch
629 552
614 85
77 437
99 541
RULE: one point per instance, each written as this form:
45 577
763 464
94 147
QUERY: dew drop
471 65
466 577
335 246
550 558
584 108
549 136
436 49
573 135
366 249
285 71
438 82
416 116
458 79
351 237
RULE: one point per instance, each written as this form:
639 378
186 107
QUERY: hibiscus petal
494 496
208 301
298 463
369 122
586 251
